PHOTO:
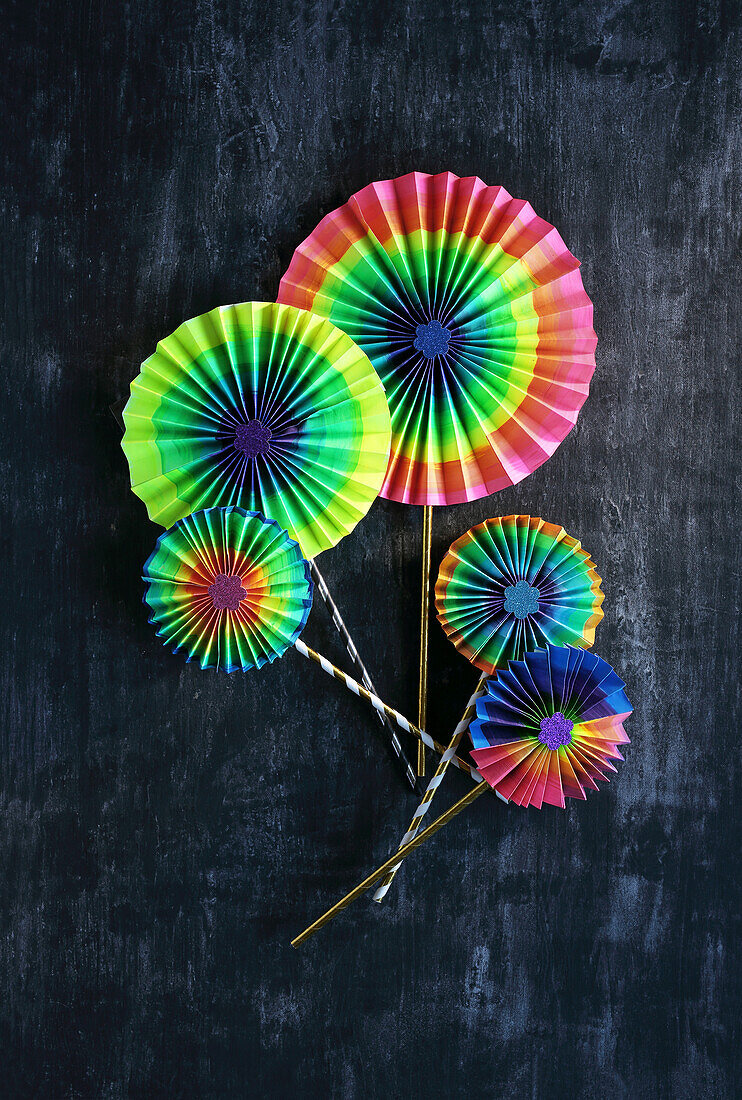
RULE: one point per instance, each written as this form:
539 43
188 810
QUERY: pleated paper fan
265 407
229 587
549 726
473 312
516 583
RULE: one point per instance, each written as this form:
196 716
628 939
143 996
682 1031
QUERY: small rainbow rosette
265 407
472 310
548 727
229 587
516 583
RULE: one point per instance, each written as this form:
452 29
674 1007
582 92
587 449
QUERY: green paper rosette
265 407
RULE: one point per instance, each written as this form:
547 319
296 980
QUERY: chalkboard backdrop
165 832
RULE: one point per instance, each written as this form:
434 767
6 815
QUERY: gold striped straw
397 857
380 705
435 782
422 686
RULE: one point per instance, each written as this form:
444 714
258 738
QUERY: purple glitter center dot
521 599
226 592
555 731
432 339
253 438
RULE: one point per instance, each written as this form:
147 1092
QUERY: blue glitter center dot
556 730
432 339
253 438
521 599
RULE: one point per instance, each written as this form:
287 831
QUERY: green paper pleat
305 382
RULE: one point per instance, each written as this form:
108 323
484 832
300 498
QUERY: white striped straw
379 704
319 580
435 782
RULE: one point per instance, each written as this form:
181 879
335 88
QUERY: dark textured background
165 832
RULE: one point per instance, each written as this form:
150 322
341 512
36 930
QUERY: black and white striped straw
319 580
380 705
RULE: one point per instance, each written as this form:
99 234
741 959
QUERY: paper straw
398 856
378 704
422 688
319 580
435 782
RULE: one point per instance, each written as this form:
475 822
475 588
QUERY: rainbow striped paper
229 587
473 312
516 583
265 407
549 726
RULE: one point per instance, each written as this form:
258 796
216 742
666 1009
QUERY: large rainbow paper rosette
229 587
265 407
516 583
473 312
548 727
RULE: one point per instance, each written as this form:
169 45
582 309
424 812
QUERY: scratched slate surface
165 832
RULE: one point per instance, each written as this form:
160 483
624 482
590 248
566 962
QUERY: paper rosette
229 587
265 407
516 583
547 728
473 312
